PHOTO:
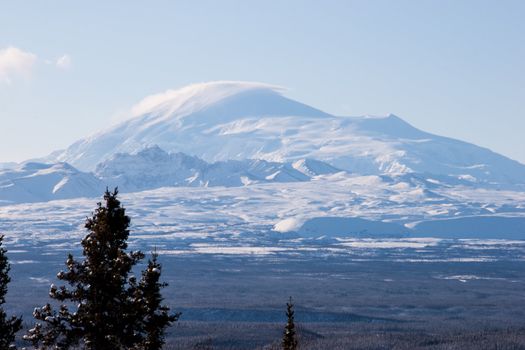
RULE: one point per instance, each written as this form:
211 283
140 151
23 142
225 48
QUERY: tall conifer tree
8 325
289 339
113 311
155 316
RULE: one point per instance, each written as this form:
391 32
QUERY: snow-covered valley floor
237 253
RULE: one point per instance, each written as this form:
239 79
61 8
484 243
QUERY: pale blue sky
450 67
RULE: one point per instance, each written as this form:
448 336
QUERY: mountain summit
222 121
220 101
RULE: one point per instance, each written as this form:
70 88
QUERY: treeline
103 306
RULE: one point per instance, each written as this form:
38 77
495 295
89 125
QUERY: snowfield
338 205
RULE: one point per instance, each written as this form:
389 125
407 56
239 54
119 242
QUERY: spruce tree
8 325
111 309
155 316
289 339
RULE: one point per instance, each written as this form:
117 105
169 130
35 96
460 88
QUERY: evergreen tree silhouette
289 339
112 310
8 325
155 317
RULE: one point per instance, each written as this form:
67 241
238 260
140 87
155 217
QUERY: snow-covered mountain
287 167
237 172
38 182
223 121
152 168
147 169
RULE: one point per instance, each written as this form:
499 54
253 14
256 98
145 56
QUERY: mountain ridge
148 169
222 121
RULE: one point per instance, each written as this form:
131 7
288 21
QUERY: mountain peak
227 120
391 126
195 97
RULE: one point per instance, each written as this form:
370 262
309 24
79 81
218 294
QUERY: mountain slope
153 168
37 182
147 169
223 121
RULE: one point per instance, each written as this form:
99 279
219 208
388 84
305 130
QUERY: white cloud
195 96
64 62
14 63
